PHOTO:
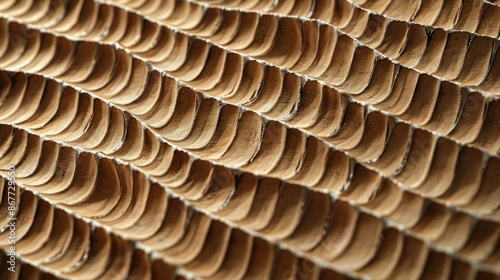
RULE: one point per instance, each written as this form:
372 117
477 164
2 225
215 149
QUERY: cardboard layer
256 139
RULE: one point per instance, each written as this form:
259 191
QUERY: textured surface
256 139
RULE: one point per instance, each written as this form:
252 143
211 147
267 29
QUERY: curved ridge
422 48
474 16
395 40
241 146
349 188
25 270
123 137
183 237
404 92
69 246
241 201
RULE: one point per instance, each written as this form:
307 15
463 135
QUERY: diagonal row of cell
254 204
66 244
457 56
401 92
233 137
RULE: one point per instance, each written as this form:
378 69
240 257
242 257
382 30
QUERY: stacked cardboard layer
259 139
